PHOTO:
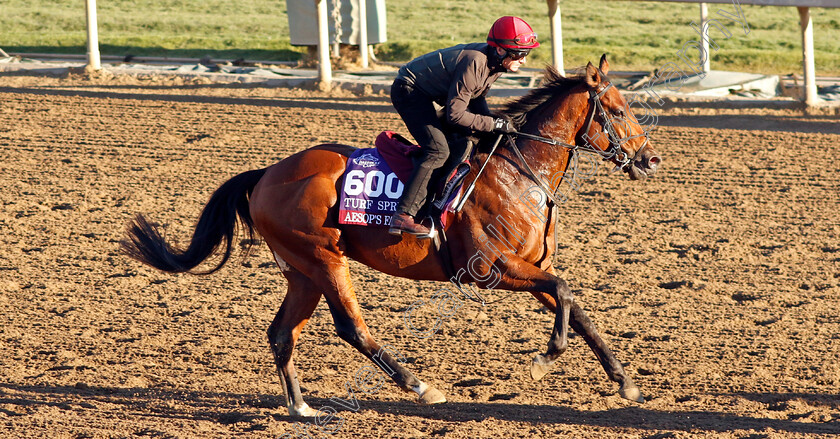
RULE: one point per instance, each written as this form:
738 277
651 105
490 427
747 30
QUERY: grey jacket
457 78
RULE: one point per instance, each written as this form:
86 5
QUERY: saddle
374 180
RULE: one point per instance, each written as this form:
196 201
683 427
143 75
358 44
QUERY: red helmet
512 33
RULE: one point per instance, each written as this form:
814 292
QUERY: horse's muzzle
645 164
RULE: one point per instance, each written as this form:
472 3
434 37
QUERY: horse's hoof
629 391
303 411
432 396
539 367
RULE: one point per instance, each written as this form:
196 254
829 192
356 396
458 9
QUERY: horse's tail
217 224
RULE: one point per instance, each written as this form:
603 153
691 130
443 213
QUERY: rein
531 173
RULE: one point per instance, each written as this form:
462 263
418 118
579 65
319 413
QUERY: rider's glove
503 125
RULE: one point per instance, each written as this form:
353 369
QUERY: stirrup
432 231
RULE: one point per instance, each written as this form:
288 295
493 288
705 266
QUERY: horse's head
612 129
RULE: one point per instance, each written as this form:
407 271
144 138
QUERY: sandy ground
716 282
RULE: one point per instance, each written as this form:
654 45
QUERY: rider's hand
503 125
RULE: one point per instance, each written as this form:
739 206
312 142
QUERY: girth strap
441 244
442 248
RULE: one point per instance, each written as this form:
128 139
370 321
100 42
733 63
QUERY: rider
456 78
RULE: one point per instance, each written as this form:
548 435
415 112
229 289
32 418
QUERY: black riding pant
421 118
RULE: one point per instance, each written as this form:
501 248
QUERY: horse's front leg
582 325
519 275
559 340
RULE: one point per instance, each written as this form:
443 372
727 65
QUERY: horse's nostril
654 161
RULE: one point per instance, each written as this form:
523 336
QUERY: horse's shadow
325 103
230 408
636 416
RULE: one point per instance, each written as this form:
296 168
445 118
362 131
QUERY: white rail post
92 36
324 68
704 38
807 26
363 37
556 35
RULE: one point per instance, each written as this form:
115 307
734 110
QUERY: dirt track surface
716 282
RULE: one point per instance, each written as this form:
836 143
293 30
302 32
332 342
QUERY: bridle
623 159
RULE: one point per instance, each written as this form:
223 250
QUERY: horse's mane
553 84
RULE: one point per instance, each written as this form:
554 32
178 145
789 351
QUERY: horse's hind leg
582 325
301 299
350 326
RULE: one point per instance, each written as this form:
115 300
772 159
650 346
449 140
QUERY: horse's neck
559 122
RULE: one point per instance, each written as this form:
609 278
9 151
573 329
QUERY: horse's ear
604 65
592 77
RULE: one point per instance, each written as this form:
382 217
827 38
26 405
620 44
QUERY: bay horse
293 205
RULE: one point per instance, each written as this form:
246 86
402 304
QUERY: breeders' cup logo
366 160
